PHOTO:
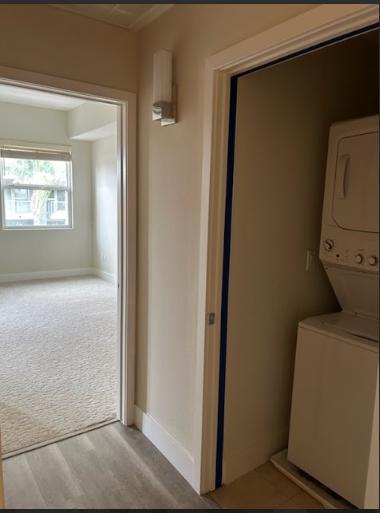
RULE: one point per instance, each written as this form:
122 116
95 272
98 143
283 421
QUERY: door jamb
126 148
318 25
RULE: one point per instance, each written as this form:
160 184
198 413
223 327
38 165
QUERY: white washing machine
334 427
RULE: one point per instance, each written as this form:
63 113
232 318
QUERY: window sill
36 229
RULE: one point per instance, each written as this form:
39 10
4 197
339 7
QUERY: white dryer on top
350 221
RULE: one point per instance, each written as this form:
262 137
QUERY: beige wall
169 181
104 206
45 39
91 120
283 118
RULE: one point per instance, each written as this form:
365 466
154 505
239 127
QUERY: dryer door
356 191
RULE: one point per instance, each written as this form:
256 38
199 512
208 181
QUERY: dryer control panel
354 250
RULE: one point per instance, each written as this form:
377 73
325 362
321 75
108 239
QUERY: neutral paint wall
283 119
44 39
91 118
34 124
104 208
48 250
169 188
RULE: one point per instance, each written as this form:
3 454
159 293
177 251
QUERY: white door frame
126 208
313 27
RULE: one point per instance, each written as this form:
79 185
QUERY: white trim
127 267
111 278
45 275
58 85
127 205
140 22
57 439
60 273
319 24
173 451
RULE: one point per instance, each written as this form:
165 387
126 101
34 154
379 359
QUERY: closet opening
273 277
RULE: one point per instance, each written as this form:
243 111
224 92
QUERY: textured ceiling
129 16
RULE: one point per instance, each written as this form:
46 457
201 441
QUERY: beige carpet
59 370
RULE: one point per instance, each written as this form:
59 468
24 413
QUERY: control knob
359 258
328 244
372 260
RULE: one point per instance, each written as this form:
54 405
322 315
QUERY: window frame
38 147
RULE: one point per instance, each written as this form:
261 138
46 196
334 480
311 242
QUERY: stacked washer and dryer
334 426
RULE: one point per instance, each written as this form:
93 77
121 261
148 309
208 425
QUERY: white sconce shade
162 76
163 90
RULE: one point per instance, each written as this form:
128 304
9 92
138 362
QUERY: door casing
126 191
314 27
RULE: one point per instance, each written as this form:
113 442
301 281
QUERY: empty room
60 361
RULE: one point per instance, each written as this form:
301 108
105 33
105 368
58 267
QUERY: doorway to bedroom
60 341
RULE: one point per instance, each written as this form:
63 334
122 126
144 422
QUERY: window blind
19 152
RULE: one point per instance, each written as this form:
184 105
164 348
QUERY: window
36 188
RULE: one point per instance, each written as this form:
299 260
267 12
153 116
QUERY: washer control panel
350 252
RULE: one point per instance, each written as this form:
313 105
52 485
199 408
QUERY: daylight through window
35 188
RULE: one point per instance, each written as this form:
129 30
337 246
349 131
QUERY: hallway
109 467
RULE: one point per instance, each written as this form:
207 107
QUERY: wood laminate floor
110 467
117 467
263 488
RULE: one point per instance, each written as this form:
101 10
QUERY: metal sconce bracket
166 112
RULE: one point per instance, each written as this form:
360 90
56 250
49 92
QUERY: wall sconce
164 92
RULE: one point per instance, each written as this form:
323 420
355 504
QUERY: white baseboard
112 278
40 275
173 451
